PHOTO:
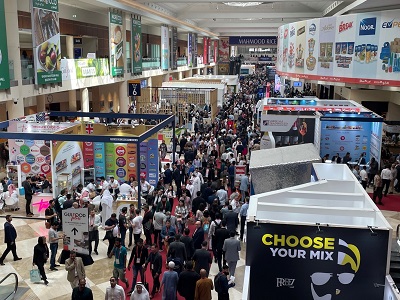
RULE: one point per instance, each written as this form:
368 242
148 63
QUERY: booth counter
317 240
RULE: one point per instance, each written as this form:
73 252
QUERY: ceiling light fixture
242 4
250 19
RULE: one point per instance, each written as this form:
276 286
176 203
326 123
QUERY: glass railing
8 286
151 63
27 71
182 61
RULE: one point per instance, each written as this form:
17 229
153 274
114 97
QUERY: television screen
297 83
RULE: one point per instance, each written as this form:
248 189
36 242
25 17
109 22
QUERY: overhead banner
164 48
223 50
116 35
190 49
174 56
359 49
215 51
194 47
84 67
4 71
253 40
303 262
205 50
46 41
75 223
136 46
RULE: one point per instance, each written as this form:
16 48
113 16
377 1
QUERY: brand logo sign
327 27
252 40
343 26
301 30
286 282
367 26
277 123
285 34
312 29
391 24
292 31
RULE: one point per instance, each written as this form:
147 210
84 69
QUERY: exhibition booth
333 126
317 240
69 154
232 81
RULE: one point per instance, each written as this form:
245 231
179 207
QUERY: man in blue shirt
120 254
243 216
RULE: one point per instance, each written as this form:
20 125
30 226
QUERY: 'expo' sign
252 40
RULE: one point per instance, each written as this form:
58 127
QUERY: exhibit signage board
75 224
46 41
137 46
303 262
164 48
4 69
116 43
252 40
359 48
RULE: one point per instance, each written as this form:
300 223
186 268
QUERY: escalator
8 286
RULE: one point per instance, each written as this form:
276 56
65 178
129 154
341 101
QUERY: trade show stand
317 240
278 168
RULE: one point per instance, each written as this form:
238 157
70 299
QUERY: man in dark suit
177 249
28 196
202 258
188 242
187 282
10 235
197 201
176 176
198 235
232 219
221 234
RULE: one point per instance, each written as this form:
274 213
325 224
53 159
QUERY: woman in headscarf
40 257
140 292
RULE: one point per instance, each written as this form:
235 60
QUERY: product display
390 56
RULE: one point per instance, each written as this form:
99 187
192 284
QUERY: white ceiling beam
217 1
349 7
240 25
273 31
238 15
266 33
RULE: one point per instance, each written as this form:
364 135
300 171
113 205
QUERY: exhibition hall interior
199 150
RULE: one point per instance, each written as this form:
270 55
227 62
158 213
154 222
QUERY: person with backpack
221 283
216 224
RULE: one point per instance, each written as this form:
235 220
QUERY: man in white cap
170 282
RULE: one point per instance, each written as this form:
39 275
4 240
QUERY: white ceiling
214 18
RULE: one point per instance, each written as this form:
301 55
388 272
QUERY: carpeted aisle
391 202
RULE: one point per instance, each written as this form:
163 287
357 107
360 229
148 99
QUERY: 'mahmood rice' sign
303 262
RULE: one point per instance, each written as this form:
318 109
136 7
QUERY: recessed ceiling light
243 4
250 19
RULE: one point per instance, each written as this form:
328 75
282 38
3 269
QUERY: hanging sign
4 72
76 229
116 43
137 46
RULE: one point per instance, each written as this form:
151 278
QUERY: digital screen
297 83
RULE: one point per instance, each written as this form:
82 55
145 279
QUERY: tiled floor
97 274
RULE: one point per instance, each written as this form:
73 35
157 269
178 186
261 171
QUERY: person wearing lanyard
139 256
155 261
114 291
243 216
94 223
120 254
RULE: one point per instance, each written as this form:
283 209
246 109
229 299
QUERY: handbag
35 276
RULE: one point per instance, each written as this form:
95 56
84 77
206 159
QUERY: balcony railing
151 63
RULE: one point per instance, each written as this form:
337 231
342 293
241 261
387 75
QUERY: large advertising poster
174 56
132 155
376 140
46 41
223 49
99 160
215 51
340 137
143 160
116 43
164 48
4 72
76 229
88 155
190 49
194 47
205 50
292 47
110 159
136 46
300 46
300 262
121 156
152 160
73 69
359 49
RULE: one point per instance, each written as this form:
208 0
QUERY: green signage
46 41
4 71
137 46
116 44
91 67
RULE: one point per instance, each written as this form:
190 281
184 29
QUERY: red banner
215 51
205 50
88 155
132 156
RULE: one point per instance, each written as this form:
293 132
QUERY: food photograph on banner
300 46
4 68
326 41
291 56
116 34
344 46
136 46
312 49
46 41
304 262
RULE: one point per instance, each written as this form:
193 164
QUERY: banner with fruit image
4 73
137 46
116 43
46 41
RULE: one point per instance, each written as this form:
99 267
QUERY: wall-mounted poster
137 46
116 43
164 48
4 72
46 41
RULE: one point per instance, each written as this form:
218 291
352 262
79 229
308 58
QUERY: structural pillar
72 101
15 109
40 103
96 99
85 102
123 97
70 46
